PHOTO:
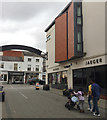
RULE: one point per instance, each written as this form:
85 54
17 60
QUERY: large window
82 77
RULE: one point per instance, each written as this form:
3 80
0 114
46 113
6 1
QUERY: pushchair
73 100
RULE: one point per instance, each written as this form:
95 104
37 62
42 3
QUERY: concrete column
7 77
24 78
70 78
46 78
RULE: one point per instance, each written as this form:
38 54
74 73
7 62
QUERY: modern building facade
20 66
76 46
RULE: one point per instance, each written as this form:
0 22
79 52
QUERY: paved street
23 101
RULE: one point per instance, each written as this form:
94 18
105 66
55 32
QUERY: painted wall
50 48
93 28
22 66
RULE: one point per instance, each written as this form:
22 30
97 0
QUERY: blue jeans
89 99
95 105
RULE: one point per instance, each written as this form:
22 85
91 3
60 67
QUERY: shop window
77 77
15 67
64 77
100 76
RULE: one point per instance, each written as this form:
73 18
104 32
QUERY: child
80 95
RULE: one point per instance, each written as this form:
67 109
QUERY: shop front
58 80
15 76
95 69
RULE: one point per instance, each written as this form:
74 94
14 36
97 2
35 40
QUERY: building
76 46
21 65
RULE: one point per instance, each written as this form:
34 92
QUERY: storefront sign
55 69
94 61
16 73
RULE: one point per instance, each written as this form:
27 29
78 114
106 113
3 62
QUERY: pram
73 100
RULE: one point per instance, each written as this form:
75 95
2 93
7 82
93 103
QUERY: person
80 95
89 96
96 90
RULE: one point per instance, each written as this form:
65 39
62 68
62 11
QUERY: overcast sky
23 23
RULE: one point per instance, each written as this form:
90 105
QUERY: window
29 68
79 20
79 11
37 67
79 47
37 60
29 59
79 44
2 65
79 37
15 67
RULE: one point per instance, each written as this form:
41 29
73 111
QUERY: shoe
89 109
96 114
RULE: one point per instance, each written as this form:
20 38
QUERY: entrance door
5 77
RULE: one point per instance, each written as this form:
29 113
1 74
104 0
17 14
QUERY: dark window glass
29 59
77 77
79 11
79 20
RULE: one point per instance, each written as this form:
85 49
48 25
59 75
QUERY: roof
21 47
11 58
63 11
30 54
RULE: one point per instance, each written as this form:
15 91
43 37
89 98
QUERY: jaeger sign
94 61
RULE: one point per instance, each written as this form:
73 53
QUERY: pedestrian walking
80 95
96 90
89 96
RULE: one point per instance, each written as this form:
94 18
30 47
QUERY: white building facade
77 71
13 68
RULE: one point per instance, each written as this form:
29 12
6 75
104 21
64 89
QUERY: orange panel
70 32
61 38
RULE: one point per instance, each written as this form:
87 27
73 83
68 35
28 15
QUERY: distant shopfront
58 80
15 76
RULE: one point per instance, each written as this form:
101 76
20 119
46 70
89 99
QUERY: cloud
23 23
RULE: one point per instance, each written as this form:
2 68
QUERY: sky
24 23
